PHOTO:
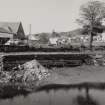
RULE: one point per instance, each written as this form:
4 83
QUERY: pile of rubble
28 72
34 70
5 77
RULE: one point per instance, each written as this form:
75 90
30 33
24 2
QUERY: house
86 38
53 41
103 36
54 38
33 37
10 31
33 40
64 40
97 38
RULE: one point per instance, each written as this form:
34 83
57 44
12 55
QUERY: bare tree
92 13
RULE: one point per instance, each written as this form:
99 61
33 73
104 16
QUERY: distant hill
76 32
72 33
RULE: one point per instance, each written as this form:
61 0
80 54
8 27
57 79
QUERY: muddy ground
84 73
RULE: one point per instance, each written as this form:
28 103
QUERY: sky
43 15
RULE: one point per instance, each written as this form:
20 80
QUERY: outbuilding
11 30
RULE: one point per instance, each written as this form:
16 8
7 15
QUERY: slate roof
9 27
2 30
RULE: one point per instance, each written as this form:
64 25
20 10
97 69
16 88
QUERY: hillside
75 32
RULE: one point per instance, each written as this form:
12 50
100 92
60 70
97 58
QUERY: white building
103 36
53 41
33 37
54 38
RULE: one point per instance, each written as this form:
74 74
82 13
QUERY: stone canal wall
11 61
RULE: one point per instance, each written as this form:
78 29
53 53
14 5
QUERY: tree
92 14
44 38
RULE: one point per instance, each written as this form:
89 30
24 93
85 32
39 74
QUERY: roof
2 30
33 37
5 35
9 27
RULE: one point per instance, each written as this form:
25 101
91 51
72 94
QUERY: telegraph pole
30 29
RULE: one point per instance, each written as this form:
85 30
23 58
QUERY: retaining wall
11 61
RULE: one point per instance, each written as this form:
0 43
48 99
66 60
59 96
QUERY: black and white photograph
52 52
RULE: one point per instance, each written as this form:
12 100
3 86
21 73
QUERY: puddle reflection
85 100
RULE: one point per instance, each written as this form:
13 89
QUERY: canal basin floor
72 75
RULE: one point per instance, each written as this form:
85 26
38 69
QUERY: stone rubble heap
34 70
28 72
5 77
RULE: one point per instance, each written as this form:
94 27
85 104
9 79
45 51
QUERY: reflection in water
85 101
54 94
10 91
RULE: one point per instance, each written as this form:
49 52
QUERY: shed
11 30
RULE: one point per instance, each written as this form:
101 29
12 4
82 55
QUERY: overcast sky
43 15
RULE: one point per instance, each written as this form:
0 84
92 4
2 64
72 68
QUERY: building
103 36
64 40
10 31
53 41
33 40
54 38
97 38
33 37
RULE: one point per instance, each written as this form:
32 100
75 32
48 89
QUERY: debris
5 77
27 73
34 70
